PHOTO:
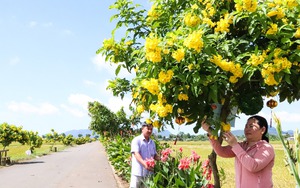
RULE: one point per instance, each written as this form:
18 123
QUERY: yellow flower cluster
153 51
209 22
269 69
256 60
278 12
178 54
246 5
223 24
183 97
272 30
165 76
194 41
235 69
151 85
108 43
225 127
191 20
153 14
156 124
161 110
149 121
140 109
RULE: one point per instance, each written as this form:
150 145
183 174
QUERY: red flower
180 149
150 162
166 152
194 157
184 164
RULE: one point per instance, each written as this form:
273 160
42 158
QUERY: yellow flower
194 41
297 33
191 66
178 54
153 51
272 30
195 6
225 127
191 20
151 85
183 97
157 124
165 77
140 109
148 121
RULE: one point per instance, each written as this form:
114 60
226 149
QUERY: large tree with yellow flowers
188 56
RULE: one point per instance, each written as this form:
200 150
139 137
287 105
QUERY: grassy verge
281 175
17 152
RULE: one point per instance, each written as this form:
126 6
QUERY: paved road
83 166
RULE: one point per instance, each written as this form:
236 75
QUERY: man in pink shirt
254 158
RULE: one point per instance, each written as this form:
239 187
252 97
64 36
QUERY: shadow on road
27 162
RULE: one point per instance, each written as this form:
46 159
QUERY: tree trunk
213 163
225 111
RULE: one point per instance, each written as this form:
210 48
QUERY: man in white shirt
142 148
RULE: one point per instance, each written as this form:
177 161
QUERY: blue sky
49 68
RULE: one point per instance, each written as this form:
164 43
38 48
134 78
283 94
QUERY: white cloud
109 67
80 100
67 32
48 24
115 104
89 83
14 61
40 109
73 111
288 117
33 24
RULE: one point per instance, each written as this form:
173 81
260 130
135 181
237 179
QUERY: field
281 176
17 151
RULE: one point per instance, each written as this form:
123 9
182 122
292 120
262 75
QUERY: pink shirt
253 166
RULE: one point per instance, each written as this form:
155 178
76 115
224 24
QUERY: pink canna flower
166 152
184 164
194 157
150 162
164 158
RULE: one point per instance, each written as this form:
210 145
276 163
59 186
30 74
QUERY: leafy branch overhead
188 55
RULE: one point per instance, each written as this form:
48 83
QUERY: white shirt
146 150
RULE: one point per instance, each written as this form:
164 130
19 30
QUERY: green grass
17 151
281 176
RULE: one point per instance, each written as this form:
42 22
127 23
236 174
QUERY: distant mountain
83 132
272 131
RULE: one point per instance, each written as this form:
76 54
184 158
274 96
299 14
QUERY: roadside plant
176 170
34 140
292 153
12 133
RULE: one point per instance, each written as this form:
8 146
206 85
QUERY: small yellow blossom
148 121
194 41
272 30
140 109
297 33
157 124
178 54
183 97
225 127
165 77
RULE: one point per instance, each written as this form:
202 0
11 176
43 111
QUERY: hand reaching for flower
230 138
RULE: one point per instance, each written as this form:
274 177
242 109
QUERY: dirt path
84 166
